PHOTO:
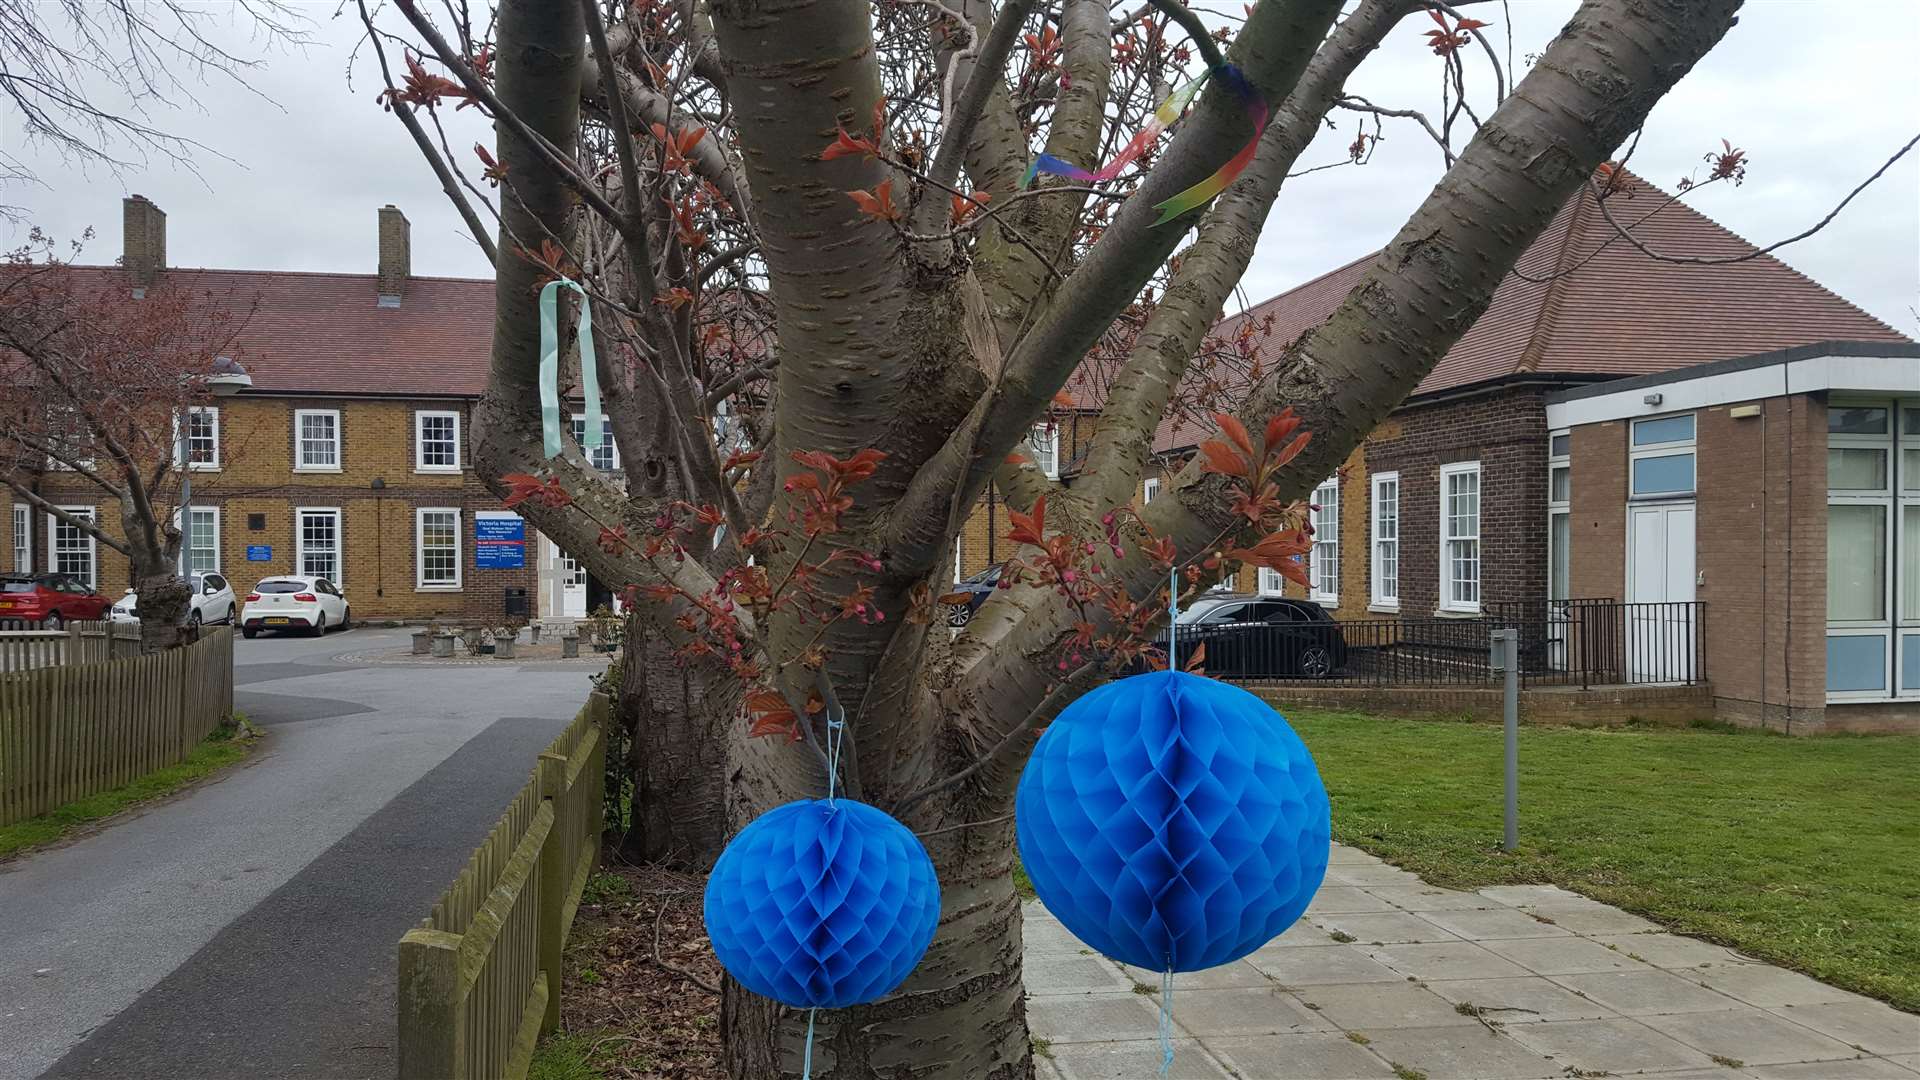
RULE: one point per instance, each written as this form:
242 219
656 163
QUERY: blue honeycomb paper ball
1173 822
821 904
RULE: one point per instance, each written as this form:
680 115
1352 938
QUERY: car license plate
278 622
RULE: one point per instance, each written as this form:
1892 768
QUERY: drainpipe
1786 647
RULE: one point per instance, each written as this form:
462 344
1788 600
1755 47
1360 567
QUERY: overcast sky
1817 94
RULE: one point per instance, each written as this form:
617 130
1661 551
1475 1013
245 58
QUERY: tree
814 217
96 384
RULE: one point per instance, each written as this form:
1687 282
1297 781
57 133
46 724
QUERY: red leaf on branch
1197 662
965 206
741 457
494 172
878 202
1029 528
845 145
771 715
613 541
544 492
1275 550
1232 428
1221 459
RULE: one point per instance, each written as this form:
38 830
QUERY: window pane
1559 542
1910 563
1910 470
1856 469
1560 485
1671 474
1856 563
1910 662
1857 420
203 548
1857 662
1560 446
1664 430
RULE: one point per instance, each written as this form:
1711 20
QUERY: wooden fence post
555 875
432 1014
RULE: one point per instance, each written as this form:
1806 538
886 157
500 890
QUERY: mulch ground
639 999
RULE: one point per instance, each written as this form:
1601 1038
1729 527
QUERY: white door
1660 580
570 582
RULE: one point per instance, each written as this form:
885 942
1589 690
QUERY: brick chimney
143 242
396 255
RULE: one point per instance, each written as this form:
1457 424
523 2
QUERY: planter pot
504 649
569 646
443 646
422 642
486 650
536 633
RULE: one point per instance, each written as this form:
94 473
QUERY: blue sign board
259 552
499 541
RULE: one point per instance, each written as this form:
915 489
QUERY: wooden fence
72 730
480 977
25 646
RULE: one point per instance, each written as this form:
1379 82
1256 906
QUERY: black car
1256 637
977 588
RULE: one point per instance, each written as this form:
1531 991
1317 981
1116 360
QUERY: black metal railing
1584 643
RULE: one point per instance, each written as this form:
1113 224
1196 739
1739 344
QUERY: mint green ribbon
550 368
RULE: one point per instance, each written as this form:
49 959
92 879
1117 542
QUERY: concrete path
247 928
1388 976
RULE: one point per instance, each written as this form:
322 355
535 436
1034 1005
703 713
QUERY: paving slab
1462 1053
1768 986
1376 1008
1078 1018
1340 899
1136 1059
1865 1068
1042 933
1428 898
1447 960
1302 933
1207 1013
1493 923
1750 1035
1324 966
1612 1046
1380 929
1648 992
1599 919
1669 950
1300 1057
1342 855
1864 1025
1534 895
1564 956
1237 975
1363 874
1522 1001
1067 973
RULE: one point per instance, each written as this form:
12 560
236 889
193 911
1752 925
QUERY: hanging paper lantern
822 904
1173 822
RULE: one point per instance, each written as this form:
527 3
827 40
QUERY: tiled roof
1611 310
313 333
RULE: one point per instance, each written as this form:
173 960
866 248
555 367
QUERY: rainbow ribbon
1163 117
550 368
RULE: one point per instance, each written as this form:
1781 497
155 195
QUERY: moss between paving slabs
1800 851
215 753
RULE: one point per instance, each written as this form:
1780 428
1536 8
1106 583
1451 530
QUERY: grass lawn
218 751
1801 851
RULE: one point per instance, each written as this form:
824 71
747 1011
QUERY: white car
212 603
308 604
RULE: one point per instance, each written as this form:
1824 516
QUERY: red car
50 599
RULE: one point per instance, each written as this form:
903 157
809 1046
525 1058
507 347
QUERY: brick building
348 458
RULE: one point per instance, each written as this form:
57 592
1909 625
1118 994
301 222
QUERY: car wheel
193 620
1316 662
249 632
320 626
959 615
346 617
53 621
232 615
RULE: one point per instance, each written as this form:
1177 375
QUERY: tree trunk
163 598
678 719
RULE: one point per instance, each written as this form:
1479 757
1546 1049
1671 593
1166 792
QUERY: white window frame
608 446
420 441
1896 623
1149 490
1449 603
420 582
959 554
54 525
186 541
300 542
1385 594
299 442
1323 561
211 411
1637 453
1045 441
1269 582
1559 508
22 538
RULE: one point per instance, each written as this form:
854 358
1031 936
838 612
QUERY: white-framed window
959 557
1660 460
436 547
71 549
316 440
1386 541
1460 537
200 541
316 536
1045 440
436 441
1873 549
1323 568
22 539
606 457
1269 582
1149 488
202 438
1559 515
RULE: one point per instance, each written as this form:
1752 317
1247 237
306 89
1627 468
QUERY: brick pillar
143 244
396 255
